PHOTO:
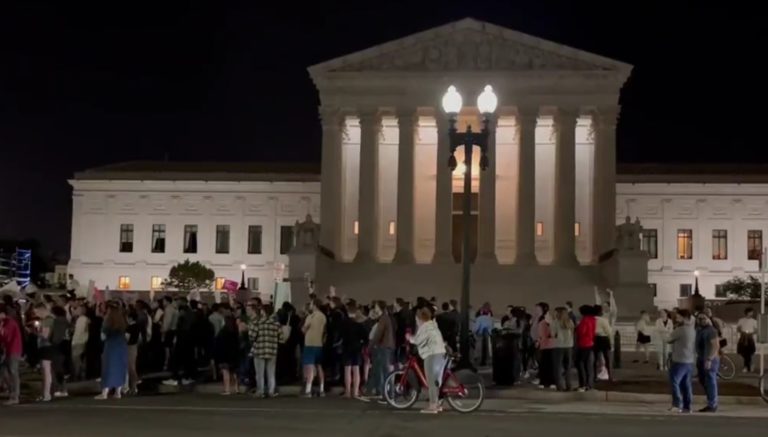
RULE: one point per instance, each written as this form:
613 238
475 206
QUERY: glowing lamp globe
452 101
487 101
243 266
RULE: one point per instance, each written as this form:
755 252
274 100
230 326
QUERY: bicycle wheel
727 369
472 395
400 396
764 387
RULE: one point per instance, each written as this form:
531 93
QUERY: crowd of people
252 346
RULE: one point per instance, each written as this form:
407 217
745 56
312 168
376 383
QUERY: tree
740 288
190 276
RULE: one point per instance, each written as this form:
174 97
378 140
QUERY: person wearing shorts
354 337
314 333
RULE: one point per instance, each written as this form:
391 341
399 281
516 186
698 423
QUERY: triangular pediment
469 45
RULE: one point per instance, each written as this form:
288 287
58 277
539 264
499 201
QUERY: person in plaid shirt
264 333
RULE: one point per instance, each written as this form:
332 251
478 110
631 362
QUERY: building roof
725 173
205 171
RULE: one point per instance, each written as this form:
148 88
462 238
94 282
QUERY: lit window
157 283
392 228
539 229
684 244
356 227
124 283
719 244
754 244
219 284
577 229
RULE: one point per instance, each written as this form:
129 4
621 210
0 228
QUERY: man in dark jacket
448 323
382 346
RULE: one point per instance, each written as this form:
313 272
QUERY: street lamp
242 277
486 103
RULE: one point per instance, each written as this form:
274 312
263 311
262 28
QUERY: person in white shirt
747 328
643 328
663 328
79 340
431 348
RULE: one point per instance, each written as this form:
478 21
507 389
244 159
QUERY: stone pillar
565 187
443 192
486 230
525 235
407 122
368 204
604 181
330 187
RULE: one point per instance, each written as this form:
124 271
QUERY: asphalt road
200 415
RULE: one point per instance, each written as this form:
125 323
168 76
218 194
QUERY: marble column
604 181
407 122
444 193
486 231
330 188
565 187
525 235
368 204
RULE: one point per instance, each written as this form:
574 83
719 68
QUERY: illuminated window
650 243
754 244
219 284
684 244
124 283
539 229
156 283
392 228
356 227
577 229
719 244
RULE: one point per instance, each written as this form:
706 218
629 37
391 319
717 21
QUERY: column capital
605 116
331 117
565 114
527 112
369 115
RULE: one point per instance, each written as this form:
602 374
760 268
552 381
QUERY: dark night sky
82 86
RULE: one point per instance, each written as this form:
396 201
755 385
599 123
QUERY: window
124 283
254 239
720 291
539 229
577 229
158 238
684 244
286 239
719 244
391 228
219 284
754 244
650 243
356 227
253 284
126 238
190 238
156 283
653 288
686 290
222 238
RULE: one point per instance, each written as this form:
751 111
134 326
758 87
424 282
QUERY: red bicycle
464 389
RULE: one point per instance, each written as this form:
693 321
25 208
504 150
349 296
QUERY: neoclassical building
543 211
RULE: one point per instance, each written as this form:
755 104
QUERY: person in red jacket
585 343
10 339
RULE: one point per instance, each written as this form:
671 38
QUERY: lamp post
242 277
697 301
486 103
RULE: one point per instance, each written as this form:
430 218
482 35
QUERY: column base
403 257
443 258
566 261
364 258
526 260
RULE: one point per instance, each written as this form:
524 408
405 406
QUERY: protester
134 336
46 350
115 358
312 358
708 360
643 328
545 345
62 349
169 323
562 350
382 345
664 326
11 344
683 341
448 322
603 334
431 349
265 337
79 341
585 345
354 338
226 347
747 328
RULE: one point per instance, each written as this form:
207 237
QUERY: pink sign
230 285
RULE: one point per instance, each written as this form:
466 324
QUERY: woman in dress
115 357
747 328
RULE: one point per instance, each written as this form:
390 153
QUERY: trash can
505 357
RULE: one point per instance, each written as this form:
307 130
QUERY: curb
93 387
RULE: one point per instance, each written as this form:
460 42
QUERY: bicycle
464 390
